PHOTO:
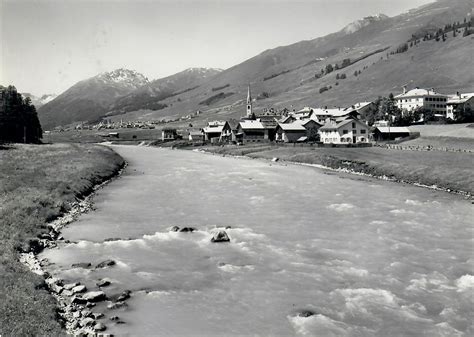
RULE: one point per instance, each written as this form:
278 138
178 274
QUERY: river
366 257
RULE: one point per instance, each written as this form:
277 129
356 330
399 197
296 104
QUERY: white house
427 99
344 131
459 102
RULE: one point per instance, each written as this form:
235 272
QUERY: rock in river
95 296
106 263
220 236
187 229
174 229
84 265
103 283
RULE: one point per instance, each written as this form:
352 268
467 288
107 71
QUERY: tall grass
37 184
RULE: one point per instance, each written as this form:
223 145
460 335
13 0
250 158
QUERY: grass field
37 185
449 170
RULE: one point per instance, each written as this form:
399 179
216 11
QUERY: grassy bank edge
26 306
337 159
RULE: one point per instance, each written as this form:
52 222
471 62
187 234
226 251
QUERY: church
256 128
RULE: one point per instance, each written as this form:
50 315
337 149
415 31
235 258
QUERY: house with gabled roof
344 131
252 131
217 131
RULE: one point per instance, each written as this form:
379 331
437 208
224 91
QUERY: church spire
249 104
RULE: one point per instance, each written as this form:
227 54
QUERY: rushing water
369 258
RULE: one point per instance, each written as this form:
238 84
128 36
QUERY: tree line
19 121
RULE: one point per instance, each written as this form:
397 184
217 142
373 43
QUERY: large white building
427 99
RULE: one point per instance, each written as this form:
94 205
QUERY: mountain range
370 57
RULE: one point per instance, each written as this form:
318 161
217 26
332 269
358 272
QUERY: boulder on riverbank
220 236
94 296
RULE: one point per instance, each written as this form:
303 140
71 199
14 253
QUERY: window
362 131
344 132
354 131
353 125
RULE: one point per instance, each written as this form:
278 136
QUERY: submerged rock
95 296
97 315
220 236
114 318
103 283
84 265
306 313
125 295
117 305
187 229
106 263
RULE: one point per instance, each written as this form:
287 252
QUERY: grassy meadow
37 184
450 170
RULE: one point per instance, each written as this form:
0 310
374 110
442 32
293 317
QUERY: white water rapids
367 257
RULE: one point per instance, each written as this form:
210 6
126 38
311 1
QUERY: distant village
341 126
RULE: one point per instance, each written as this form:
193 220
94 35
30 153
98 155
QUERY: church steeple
249 104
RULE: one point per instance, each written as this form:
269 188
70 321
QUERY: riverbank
39 184
450 171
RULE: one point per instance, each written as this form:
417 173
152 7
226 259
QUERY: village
332 126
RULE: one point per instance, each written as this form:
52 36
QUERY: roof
335 126
305 109
195 133
419 92
250 124
295 126
216 123
285 119
213 129
394 129
457 100
234 124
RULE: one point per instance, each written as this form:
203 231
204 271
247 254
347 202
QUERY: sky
47 46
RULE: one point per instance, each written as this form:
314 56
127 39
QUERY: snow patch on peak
359 24
125 77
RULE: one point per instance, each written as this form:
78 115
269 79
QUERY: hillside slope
287 75
149 95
